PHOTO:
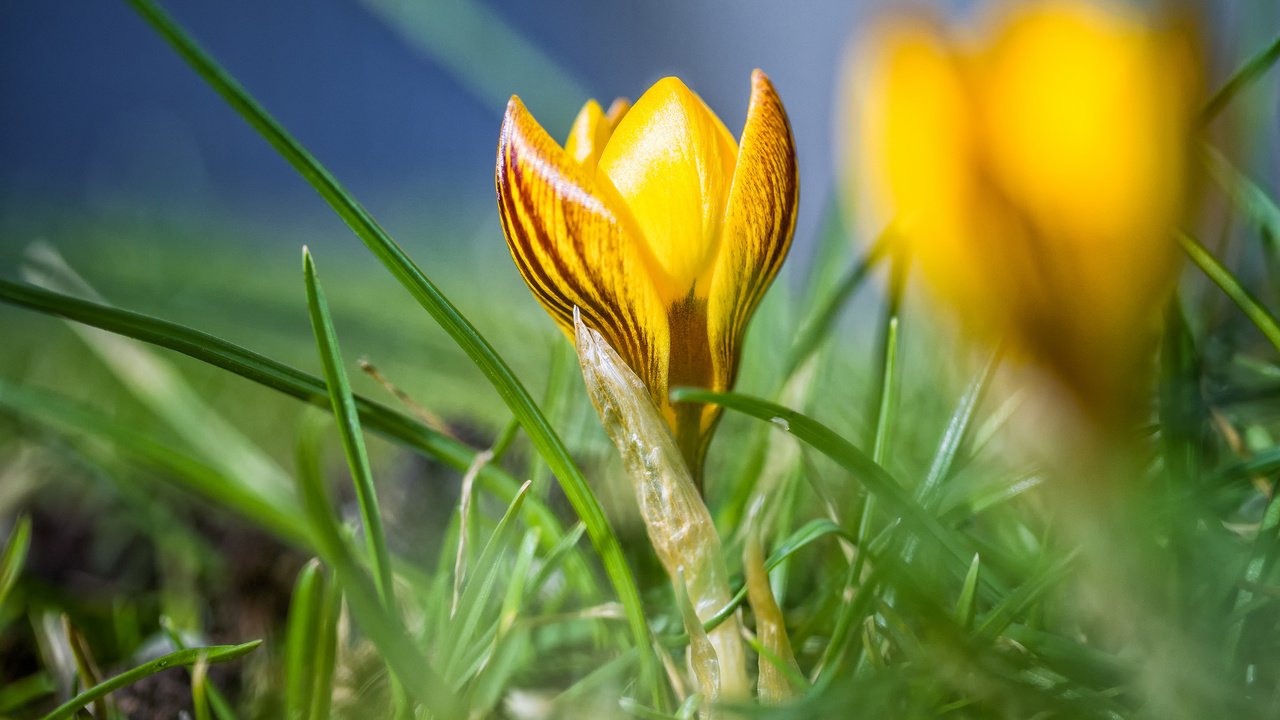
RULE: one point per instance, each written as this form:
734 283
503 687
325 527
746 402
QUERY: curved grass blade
875 478
15 554
1252 69
344 409
1230 284
482 354
282 378
221 706
181 658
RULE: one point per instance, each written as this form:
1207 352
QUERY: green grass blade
282 378
967 600
20 692
482 354
875 478
1246 194
326 643
478 589
383 627
221 706
15 554
200 689
282 516
181 658
1252 69
344 409
302 631
956 432
1015 602
1223 278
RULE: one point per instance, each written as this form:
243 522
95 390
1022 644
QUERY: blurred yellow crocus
660 228
1034 173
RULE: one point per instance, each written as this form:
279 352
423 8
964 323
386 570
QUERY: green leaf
15 554
1220 275
181 658
344 409
482 354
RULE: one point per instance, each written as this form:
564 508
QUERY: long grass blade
1230 284
344 409
282 378
15 555
181 658
482 354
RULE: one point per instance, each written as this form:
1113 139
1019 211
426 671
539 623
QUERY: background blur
114 152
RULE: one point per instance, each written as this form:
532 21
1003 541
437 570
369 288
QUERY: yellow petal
672 160
758 226
1079 127
591 131
913 147
706 327
1084 123
617 109
572 240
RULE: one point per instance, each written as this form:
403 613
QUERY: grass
922 570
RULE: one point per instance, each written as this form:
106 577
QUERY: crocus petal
591 131
672 161
574 243
914 150
759 222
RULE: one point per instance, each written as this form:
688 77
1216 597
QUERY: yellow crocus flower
660 228
1035 173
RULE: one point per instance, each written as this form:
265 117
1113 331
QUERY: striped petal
574 242
758 225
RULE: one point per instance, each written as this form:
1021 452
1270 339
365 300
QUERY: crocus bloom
1035 175
660 228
